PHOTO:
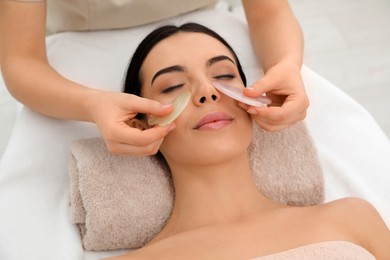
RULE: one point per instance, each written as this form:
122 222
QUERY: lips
214 120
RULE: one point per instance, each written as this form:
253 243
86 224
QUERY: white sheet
34 183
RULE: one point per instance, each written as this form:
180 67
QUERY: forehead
184 48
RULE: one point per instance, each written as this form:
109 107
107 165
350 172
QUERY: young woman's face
212 127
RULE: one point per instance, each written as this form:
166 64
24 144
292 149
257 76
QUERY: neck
213 194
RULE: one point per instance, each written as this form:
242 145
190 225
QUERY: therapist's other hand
283 84
112 110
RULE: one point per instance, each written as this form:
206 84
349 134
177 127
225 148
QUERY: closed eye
171 88
225 76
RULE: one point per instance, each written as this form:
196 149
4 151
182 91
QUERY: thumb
264 85
148 106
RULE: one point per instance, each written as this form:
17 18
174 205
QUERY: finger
243 106
125 149
132 136
293 107
272 128
274 116
275 124
148 106
276 100
269 115
262 86
138 142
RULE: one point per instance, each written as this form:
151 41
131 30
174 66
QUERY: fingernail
171 127
252 111
243 106
253 89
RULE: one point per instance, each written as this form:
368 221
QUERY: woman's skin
32 81
218 211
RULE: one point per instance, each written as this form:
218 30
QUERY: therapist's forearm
275 33
42 89
25 68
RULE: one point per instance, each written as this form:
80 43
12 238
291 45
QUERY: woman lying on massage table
218 211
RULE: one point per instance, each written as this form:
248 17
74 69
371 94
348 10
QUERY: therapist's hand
111 111
283 84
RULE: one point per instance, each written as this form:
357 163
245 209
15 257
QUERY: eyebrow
179 68
175 68
219 58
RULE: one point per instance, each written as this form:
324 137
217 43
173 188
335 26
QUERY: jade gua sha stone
178 106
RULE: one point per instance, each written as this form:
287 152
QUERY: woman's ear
138 123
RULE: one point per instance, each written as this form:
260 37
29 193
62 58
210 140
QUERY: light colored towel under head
122 202
335 250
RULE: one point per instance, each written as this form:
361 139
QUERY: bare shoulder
363 221
350 207
356 213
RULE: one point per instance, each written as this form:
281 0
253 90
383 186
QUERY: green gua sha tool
178 106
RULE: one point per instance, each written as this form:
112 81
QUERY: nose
206 93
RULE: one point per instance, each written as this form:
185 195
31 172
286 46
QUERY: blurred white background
347 42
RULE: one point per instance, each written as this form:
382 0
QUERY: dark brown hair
132 84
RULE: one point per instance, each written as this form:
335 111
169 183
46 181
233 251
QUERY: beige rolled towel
122 202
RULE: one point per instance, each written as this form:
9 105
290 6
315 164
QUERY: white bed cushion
34 183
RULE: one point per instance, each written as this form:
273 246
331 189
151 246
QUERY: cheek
175 145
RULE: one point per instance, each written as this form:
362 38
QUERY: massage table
353 151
